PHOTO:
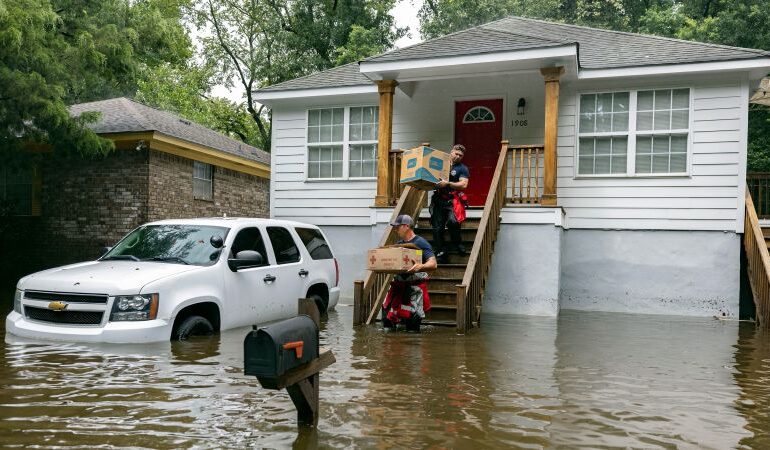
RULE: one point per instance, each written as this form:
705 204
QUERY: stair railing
471 291
758 262
369 293
527 173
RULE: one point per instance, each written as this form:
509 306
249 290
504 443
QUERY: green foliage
57 52
257 43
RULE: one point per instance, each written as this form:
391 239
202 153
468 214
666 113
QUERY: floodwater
589 380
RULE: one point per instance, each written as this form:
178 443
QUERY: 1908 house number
520 123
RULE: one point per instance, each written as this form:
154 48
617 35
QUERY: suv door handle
268 278
303 273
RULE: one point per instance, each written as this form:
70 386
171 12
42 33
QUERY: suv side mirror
105 250
216 241
245 259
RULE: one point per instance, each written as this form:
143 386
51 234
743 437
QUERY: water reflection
582 380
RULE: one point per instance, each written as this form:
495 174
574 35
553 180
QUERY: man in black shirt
442 211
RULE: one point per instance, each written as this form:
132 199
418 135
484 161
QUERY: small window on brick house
16 191
203 181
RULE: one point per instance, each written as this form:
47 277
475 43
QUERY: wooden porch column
551 76
386 88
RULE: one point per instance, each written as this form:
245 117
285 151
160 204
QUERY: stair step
469 223
443 314
440 323
444 283
466 234
449 271
443 299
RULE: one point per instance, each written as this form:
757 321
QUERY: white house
634 202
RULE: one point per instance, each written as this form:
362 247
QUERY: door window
285 249
250 239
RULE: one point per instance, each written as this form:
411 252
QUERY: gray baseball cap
403 219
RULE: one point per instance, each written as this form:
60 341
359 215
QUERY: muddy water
584 379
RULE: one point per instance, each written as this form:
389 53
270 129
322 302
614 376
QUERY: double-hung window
203 181
16 190
642 132
342 142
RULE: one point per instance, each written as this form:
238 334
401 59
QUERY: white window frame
632 133
210 182
465 116
346 143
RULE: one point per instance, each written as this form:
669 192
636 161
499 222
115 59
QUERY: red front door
479 127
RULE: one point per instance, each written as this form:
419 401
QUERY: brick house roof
123 115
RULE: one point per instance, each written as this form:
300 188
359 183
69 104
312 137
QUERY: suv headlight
134 307
17 300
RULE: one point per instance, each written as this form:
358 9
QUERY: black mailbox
271 351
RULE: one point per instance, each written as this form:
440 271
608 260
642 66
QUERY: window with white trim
342 142
634 132
203 181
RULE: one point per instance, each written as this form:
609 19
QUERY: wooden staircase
443 283
457 287
756 242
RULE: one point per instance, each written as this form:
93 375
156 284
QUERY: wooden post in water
358 298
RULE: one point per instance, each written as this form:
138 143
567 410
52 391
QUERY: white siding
710 198
319 202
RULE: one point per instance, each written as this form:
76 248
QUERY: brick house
67 208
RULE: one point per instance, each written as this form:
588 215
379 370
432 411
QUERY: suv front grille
66 297
71 317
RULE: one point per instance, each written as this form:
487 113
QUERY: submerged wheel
193 326
322 304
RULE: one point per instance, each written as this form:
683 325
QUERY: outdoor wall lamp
520 106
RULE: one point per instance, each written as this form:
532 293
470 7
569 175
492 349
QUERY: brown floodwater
589 380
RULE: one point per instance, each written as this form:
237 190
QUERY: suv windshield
176 244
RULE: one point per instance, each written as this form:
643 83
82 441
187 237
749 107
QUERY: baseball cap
403 219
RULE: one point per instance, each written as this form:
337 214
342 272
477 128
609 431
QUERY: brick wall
86 203
89 203
171 191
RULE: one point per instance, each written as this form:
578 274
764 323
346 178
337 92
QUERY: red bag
459 203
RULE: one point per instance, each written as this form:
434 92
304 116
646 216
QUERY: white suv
176 278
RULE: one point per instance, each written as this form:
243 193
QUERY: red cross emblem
373 259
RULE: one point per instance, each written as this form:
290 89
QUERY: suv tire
322 304
193 326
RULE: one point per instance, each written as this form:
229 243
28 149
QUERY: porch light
520 106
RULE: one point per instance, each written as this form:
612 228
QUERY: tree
57 52
257 43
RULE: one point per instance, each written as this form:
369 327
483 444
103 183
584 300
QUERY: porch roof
595 49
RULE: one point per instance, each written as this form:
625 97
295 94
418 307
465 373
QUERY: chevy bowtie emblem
57 306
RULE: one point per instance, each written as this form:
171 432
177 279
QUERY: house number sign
520 123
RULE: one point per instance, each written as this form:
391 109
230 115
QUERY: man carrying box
442 208
408 298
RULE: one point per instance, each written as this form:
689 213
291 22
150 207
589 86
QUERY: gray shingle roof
598 49
347 75
122 115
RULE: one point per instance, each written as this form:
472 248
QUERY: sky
405 13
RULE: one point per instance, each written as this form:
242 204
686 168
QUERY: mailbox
271 351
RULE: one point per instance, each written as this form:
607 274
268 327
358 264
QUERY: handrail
758 262
369 292
527 173
471 291
395 188
758 184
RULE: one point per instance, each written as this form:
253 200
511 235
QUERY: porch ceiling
531 59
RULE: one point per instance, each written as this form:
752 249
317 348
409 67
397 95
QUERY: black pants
443 216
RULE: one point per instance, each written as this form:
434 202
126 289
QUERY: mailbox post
286 355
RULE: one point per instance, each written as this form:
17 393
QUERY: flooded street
584 379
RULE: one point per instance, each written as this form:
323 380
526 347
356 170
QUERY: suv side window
249 239
285 249
315 243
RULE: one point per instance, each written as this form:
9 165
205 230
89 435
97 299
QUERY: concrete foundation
524 277
538 269
652 272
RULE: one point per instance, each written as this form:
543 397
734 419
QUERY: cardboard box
392 259
422 167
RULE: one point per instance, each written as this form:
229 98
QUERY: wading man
407 300
449 200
